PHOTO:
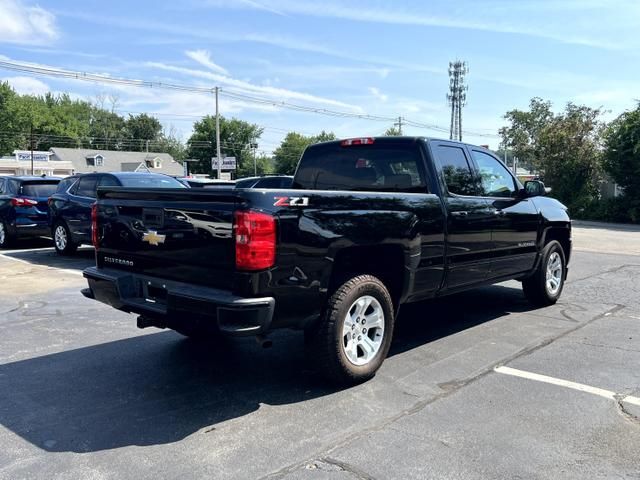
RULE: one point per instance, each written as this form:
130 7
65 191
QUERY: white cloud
379 95
574 24
249 88
24 24
27 85
203 57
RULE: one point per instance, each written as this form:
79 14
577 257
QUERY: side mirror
535 188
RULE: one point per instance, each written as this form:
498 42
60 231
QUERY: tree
235 139
565 148
286 156
392 132
140 130
622 157
171 144
523 132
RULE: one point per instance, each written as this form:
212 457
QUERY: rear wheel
354 334
6 239
545 285
62 239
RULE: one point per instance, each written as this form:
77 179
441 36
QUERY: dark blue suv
70 205
23 207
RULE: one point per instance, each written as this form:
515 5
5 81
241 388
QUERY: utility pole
457 96
399 125
32 171
218 154
254 146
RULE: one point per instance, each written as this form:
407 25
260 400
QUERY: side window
496 179
2 186
108 181
87 187
458 174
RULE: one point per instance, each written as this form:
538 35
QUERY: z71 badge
291 201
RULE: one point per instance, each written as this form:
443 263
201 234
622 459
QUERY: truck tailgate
183 235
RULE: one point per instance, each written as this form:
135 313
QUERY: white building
43 164
87 161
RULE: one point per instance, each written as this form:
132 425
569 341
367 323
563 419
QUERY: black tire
326 341
6 239
66 246
536 288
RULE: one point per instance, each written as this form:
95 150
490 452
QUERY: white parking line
568 384
65 270
26 250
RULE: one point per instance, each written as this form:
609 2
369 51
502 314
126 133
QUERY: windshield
150 181
38 189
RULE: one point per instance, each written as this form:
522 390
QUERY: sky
377 57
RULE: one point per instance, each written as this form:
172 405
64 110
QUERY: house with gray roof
87 161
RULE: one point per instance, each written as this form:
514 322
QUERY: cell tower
457 96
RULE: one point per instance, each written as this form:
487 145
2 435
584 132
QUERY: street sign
228 163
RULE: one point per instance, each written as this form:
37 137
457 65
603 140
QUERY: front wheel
544 287
354 334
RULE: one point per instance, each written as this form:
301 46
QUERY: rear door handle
460 213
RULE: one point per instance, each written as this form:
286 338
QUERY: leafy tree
392 132
171 144
565 148
140 130
235 139
286 156
622 158
264 165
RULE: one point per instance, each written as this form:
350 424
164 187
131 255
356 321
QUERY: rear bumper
169 302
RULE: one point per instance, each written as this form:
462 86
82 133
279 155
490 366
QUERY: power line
229 93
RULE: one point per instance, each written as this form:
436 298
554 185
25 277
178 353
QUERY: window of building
99 160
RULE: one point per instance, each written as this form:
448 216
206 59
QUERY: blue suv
70 205
23 207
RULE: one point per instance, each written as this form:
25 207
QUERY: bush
619 210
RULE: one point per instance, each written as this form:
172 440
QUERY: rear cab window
376 167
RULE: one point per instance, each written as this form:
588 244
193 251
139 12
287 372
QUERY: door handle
461 213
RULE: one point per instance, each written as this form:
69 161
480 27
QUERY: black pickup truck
368 225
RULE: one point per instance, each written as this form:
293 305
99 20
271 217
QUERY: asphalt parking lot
478 385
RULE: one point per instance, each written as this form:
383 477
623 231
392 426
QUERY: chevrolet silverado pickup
369 224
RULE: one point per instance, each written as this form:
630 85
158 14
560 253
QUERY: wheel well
562 235
385 262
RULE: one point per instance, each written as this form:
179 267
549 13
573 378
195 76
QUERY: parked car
368 225
70 205
266 181
23 207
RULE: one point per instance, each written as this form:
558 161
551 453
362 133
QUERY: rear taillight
356 141
94 225
23 202
255 240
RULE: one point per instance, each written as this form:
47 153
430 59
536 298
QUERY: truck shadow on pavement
159 388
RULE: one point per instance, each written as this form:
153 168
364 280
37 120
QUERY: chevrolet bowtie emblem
153 238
